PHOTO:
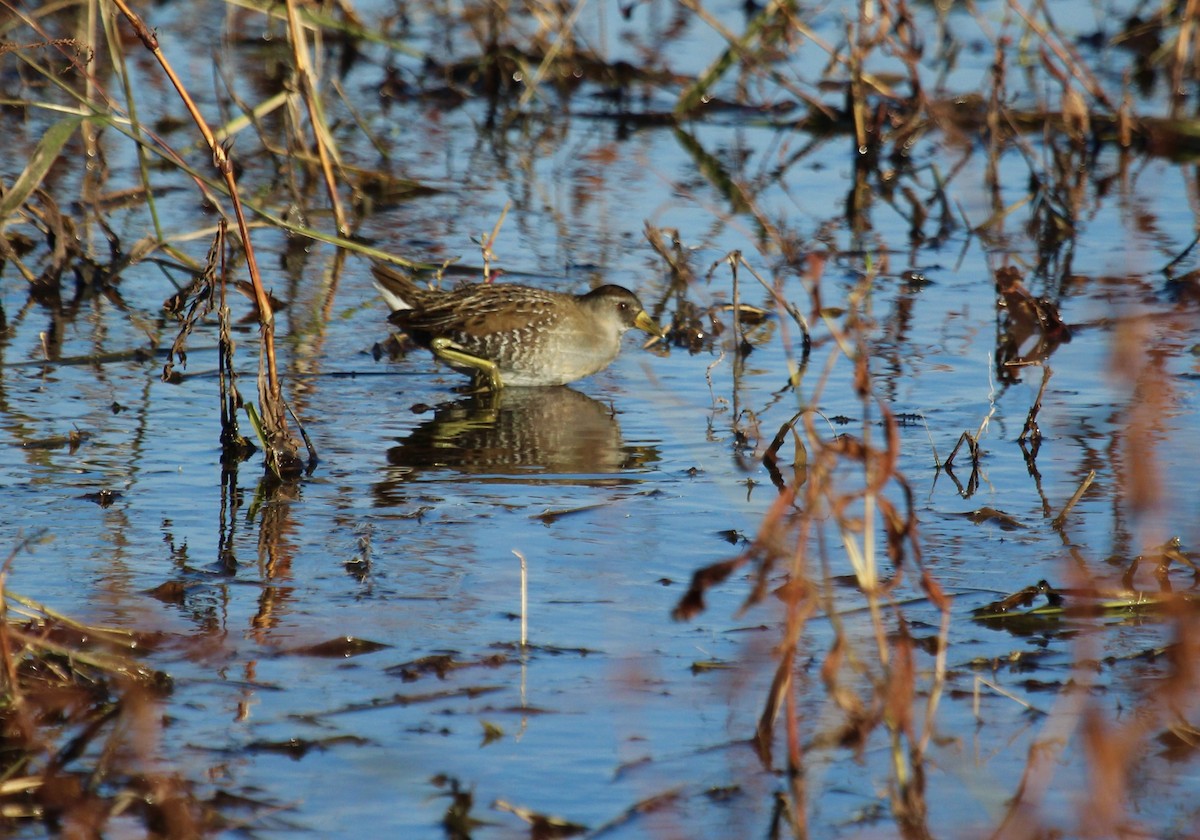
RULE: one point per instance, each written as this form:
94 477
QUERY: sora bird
507 334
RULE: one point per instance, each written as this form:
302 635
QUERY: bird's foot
485 375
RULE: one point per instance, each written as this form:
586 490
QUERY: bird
507 334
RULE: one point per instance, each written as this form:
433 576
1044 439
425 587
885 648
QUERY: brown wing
513 309
484 310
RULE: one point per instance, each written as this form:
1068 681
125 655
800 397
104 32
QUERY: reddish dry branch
1111 751
779 692
692 602
933 590
886 471
862 374
901 683
898 530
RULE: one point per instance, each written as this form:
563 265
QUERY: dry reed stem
524 598
322 139
890 683
1184 46
488 240
562 40
1066 54
1079 491
281 449
117 51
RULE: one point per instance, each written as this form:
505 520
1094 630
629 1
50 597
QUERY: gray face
614 302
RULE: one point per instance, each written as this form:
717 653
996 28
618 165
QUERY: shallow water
614 490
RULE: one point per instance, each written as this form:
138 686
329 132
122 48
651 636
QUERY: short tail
397 288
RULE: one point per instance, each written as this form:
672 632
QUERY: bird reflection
530 435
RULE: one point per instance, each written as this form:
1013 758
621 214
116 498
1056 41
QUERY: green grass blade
47 151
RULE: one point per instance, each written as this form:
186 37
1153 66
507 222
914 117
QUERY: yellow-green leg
485 375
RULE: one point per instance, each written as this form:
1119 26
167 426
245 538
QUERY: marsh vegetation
892 533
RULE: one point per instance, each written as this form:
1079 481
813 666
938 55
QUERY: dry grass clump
81 723
846 491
